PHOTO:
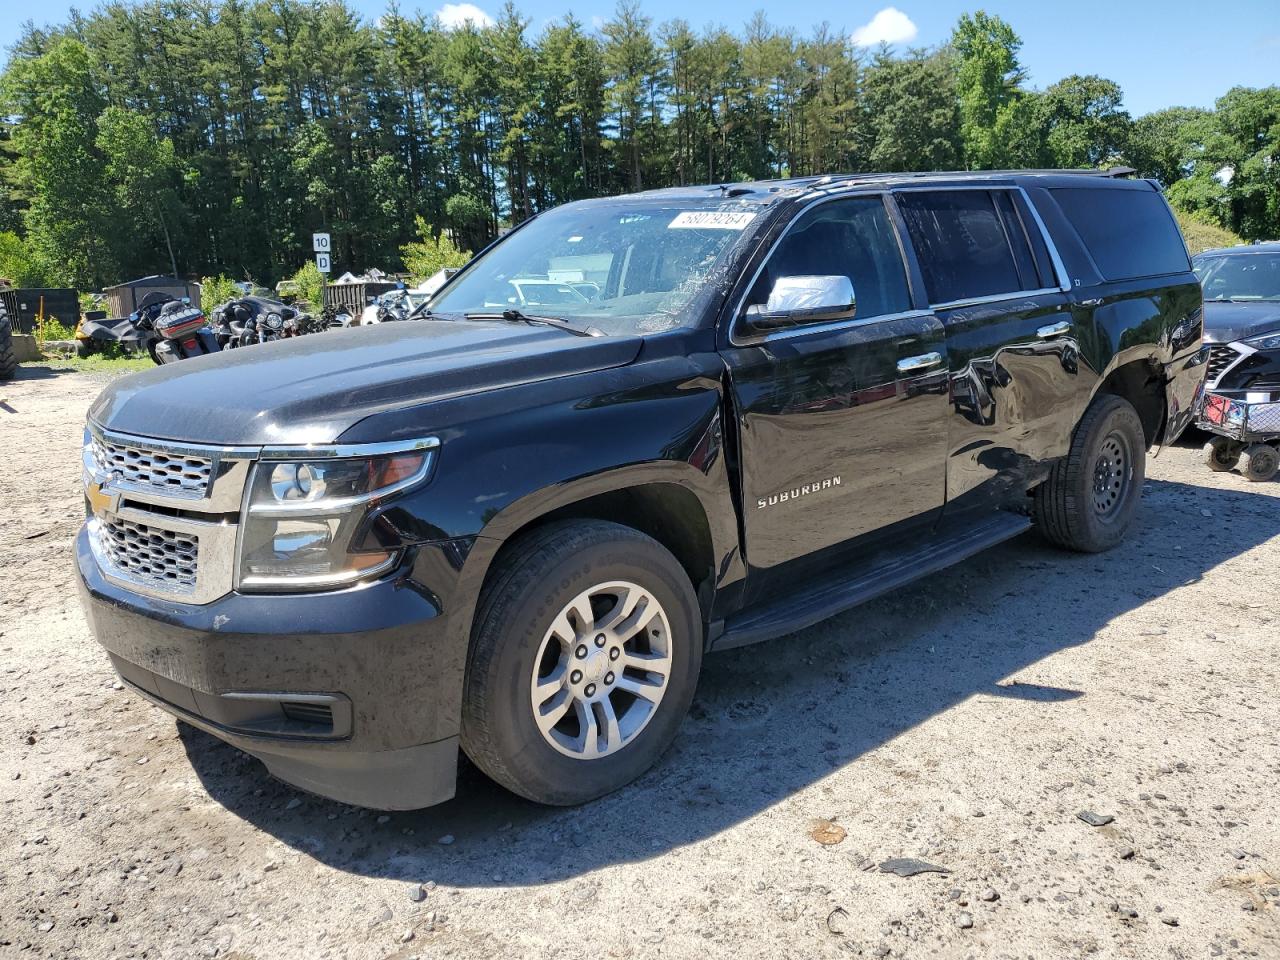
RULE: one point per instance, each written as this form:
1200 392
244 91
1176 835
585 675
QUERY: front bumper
352 694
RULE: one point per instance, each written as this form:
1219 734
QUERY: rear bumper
353 694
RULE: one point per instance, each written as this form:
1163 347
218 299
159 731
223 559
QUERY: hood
1226 322
311 389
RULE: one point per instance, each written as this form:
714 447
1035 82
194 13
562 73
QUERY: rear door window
967 246
1129 233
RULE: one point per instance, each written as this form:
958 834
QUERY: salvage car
516 534
1242 336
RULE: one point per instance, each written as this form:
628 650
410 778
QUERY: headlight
274 321
302 518
1267 341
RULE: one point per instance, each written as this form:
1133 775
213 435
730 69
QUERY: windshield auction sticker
710 220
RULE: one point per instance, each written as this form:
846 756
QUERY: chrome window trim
852 323
736 340
1059 268
993 298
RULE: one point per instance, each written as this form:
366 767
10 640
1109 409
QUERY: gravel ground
967 722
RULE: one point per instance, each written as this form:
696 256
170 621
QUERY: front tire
1092 494
584 660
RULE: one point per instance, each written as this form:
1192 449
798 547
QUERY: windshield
629 266
1241 276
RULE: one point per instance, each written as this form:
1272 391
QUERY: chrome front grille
162 558
166 472
165 514
1221 357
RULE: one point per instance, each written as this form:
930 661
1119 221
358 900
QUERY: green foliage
913 114
58 163
1083 123
431 252
111 359
1231 174
54 329
310 283
217 290
989 86
1202 236
213 137
18 261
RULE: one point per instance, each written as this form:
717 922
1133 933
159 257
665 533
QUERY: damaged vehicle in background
634 431
1242 335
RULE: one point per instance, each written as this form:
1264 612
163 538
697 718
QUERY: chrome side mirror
805 299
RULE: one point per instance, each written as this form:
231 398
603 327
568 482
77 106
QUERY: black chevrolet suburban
633 431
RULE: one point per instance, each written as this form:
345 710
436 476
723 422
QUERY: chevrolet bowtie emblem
101 501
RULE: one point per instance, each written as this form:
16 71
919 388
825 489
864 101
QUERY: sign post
320 244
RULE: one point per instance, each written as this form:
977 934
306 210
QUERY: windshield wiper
517 316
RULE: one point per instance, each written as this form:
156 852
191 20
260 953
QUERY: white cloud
454 15
890 25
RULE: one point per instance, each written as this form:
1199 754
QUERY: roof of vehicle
1266 246
763 190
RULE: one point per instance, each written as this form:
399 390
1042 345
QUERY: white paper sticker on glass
710 220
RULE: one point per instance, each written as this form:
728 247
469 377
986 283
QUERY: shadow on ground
772 719
38 371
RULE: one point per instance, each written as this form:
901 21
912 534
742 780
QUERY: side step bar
839 593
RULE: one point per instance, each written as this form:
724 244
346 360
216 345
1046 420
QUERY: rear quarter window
1129 233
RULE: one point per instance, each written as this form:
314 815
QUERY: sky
1175 53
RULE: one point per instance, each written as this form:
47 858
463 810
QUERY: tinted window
851 238
1240 276
963 245
1130 233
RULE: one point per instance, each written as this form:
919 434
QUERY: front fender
510 457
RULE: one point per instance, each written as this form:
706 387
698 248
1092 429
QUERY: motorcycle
250 320
168 329
182 332
393 305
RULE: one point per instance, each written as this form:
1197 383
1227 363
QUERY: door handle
922 362
1054 330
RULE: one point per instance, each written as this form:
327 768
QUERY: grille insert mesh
1221 356
161 557
166 472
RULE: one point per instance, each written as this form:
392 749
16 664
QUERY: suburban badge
795 493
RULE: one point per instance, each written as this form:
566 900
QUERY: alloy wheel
601 670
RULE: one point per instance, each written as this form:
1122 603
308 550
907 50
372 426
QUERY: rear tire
567 747
8 359
85 349
1092 494
1262 462
1221 454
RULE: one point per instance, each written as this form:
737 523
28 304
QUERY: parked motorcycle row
170 329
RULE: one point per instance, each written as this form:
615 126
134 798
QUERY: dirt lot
966 721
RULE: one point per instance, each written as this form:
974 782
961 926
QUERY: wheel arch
1142 382
661 504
